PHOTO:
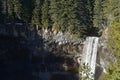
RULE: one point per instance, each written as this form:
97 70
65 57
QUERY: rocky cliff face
55 54
49 57
60 54
104 55
74 48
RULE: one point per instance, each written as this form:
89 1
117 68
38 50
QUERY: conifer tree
87 15
54 13
111 10
0 11
3 10
75 25
45 14
66 16
14 9
98 14
27 10
36 17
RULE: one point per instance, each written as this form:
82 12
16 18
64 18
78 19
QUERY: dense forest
73 16
77 17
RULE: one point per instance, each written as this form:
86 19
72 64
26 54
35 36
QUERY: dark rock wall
36 55
28 56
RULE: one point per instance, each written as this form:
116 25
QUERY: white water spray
90 54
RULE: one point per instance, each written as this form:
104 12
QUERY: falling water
90 54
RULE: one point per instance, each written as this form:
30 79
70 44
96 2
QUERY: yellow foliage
114 42
114 36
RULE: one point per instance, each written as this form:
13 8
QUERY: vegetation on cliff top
111 12
113 72
73 16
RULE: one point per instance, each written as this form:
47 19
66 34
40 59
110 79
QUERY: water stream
90 54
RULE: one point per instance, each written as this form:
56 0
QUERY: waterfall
89 54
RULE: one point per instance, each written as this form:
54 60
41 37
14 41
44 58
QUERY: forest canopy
81 17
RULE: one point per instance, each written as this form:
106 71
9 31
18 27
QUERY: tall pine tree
36 17
111 10
14 9
98 14
67 16
0 11
45 14
27 10
3 10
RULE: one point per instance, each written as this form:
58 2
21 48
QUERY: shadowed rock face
24 60
14 59
38 59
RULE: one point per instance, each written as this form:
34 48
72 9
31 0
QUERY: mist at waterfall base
89 55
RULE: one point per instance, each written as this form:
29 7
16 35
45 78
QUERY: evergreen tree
54 13
111 10
27 7
3 10
45 14
98 14
36 17
116 10
14 9
67 16
76 22
0 11
88 13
